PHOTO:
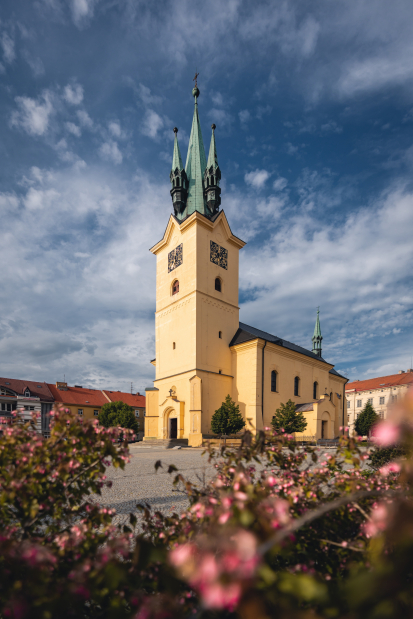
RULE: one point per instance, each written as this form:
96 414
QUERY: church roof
195 165
245 333
177 159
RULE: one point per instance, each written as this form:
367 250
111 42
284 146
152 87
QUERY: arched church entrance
171 423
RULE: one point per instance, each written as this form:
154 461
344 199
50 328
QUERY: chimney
409 370
401 372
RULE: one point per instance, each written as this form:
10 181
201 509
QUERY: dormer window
27 393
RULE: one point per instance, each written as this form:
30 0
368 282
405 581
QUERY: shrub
118 414
227 419
288 419
366 420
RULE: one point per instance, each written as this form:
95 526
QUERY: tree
366 420
227 419
118 414
287 418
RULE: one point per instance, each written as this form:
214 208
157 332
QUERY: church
203 351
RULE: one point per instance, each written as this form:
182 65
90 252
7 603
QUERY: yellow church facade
203 352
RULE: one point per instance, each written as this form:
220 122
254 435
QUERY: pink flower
378 520
224 517
392 467
216 595
386 433
181 554
271 481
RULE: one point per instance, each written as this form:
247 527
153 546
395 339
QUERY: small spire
317 337
212 157
177 159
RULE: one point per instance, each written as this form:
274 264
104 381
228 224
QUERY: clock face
175 258
219 255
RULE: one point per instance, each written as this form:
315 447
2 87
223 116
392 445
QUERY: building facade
203 352
381 392
27 397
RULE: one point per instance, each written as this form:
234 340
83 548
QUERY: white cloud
110 151
257 178
244 116
73 94
280 183
7 45
33 115
73 129
34 63
82 10
115 129
152 123
84 119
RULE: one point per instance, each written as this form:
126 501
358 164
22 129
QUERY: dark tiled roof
245 333
37 389
302 408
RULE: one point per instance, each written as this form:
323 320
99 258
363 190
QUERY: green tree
289 419
366 420
118 414
227 419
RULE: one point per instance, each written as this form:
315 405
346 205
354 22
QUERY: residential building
86 403
203 352
27 397
381 392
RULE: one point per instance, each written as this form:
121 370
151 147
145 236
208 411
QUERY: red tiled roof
37 389
132 399
78 396
381 381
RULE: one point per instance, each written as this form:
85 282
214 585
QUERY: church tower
197 309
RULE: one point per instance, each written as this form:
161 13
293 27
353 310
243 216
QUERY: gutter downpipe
262 384
344 400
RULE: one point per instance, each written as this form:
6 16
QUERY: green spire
317 337
195 165
212 157
177 159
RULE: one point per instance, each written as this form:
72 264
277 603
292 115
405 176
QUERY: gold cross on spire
195 78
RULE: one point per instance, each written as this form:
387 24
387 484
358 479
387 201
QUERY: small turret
317 337
178 179
212 177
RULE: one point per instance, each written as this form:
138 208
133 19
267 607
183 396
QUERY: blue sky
313 104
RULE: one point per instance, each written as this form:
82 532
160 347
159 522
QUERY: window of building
331 396
348 418
96 413
173 345
348 403
381 415
218 284
27 393
315 391
3 406
31 408
359 403
370 400
296 385
382 400
394 398
9 407
80 411
137 413
220 334
273 380
26 408
219 371
175 287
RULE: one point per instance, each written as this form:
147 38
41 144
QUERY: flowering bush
279 531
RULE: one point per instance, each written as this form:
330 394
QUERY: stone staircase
167 443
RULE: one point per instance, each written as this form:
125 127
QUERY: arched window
296 385
315 391
220 334
331 396
175 287
173 345
218 284
273 380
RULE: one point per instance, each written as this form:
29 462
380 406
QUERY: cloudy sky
313 103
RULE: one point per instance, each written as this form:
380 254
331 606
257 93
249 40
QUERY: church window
220 372
315 390
177 182
173 345
220 334
218 284
175 287
296 385
273 380
331 396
